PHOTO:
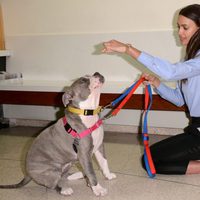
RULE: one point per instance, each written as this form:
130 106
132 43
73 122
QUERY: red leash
119 107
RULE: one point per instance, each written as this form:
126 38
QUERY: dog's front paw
110 176
66 191
99 190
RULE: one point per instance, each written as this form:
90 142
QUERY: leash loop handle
148 102
147 153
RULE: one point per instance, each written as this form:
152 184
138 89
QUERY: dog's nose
98 75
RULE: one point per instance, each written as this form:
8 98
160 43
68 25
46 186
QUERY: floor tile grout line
177 182
9 159
146 177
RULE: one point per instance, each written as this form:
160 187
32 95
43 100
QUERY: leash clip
107 106
108 116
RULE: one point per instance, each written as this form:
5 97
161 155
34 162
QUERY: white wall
61 40
24 17
64 57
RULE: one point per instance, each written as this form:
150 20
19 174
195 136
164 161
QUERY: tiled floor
123 152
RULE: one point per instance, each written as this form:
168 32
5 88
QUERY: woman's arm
173 95
161 67
169 71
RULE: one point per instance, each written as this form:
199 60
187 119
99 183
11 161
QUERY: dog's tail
22 183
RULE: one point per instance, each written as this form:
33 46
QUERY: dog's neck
92 102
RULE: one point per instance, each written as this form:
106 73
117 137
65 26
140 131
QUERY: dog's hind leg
63 188
47 178
75 176
53 179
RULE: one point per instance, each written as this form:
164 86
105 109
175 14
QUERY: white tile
123 154
26 193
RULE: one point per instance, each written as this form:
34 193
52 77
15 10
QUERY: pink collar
74 134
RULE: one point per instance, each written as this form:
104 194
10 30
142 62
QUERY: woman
178 154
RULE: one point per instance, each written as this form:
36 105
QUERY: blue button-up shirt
186 92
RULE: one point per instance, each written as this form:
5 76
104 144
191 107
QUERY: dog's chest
92 102
98 134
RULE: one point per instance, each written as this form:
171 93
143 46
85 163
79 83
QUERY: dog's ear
67 96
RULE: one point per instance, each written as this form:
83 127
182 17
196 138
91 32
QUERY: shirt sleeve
169 71
173 95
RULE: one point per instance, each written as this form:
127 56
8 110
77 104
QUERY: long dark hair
192 12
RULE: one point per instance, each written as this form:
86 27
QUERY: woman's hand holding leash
151 79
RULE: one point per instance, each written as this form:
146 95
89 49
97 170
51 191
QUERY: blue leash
116 101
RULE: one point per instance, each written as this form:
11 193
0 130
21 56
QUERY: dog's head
82 88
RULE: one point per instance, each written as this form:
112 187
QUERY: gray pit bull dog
54 151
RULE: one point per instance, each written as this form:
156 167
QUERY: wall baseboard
107 127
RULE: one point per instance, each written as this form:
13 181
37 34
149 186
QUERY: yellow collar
84 112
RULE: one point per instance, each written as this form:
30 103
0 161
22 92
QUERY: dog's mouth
99 76
94 84
96 81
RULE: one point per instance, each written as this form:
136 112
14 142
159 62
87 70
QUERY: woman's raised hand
114 46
